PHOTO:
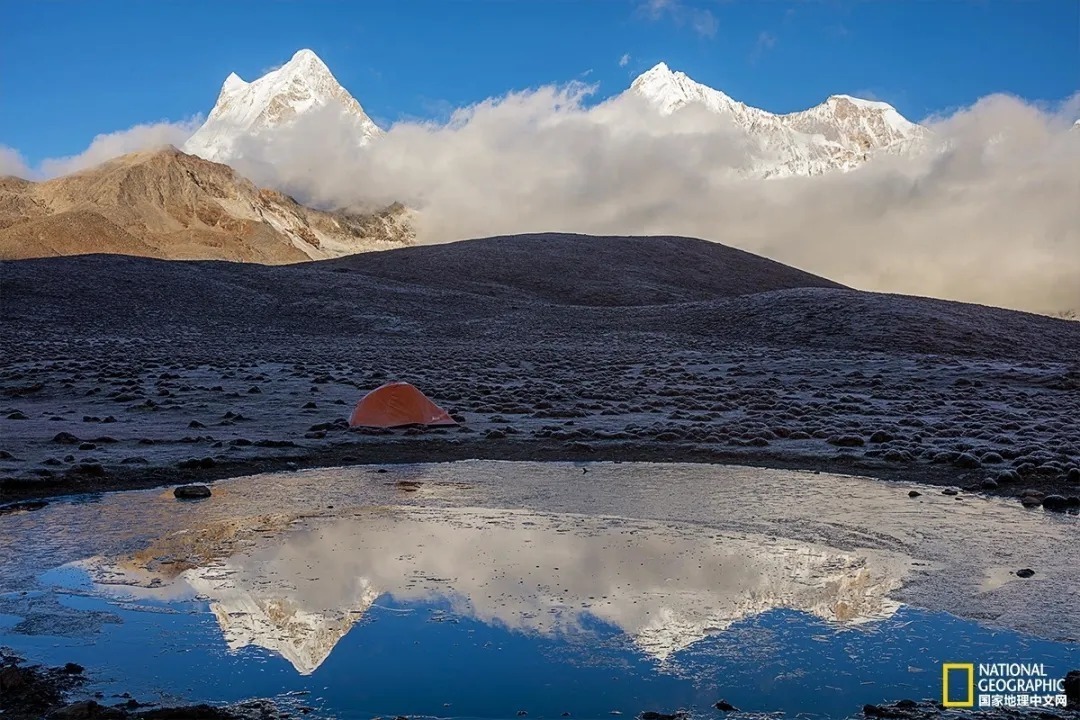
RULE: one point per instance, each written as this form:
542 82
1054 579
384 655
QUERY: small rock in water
191 492
73 668
949 491
1025 573
1073 475
914 493
1072 688
725 706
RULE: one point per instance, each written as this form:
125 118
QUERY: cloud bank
987 215
103 147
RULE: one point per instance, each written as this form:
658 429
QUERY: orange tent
395 404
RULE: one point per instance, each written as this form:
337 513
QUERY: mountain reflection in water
666 586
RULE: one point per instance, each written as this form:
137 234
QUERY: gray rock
1056 503
846 441
966 461
1072 688
191 492
1008 476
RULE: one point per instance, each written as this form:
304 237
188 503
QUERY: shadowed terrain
123 370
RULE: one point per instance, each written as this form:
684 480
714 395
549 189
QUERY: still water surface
492 588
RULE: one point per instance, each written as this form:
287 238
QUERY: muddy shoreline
411 450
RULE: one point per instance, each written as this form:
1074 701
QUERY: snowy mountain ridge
839 134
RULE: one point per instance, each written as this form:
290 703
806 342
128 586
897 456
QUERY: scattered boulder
1008 476
1055 503
1025 573
17 416
950 491
966 461
846 441
65 438
191 492
86 710
914 493
881 437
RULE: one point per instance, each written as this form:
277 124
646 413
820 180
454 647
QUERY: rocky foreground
31 692
123 372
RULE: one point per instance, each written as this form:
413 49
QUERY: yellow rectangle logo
969 669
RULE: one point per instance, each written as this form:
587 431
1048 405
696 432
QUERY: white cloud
13 163
624 60
700 20
766 41
109 145
992 219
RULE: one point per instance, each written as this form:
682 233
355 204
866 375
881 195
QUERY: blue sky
73 70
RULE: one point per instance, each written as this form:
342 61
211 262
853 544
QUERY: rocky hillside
171 205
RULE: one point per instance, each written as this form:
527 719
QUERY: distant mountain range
189 204
840 134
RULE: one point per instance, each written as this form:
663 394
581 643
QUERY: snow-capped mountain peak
669 91
839 134
303 84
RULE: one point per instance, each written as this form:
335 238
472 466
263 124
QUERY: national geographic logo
965 685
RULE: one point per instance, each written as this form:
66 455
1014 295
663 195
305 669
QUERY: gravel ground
123 372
